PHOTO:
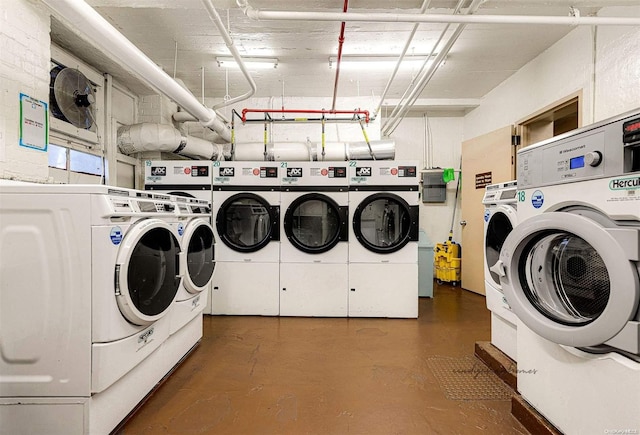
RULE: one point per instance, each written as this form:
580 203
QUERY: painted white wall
617 84
446 143
24 68
604 63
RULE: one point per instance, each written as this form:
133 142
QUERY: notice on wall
483 180
34 123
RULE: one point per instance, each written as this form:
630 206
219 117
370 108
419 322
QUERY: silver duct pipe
110 41
309 151
143 137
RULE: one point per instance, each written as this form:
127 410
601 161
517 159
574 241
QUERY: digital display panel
576 162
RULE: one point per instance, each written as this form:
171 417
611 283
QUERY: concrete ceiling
484 55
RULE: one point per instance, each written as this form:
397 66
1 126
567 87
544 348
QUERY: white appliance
499 220
191 183
383 235
89 274
570 271
246 209
314 247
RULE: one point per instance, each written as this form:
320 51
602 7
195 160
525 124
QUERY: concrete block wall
24 68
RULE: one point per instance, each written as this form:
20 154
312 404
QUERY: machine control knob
593 158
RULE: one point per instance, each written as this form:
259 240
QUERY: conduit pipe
215 17
340 43
105 37
143 137
323 112
407 91
373 17
392 123
424 7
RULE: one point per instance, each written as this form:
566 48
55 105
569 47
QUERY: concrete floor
278 375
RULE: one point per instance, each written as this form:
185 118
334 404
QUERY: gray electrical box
434 189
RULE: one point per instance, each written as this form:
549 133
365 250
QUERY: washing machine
246 209
89 274
383 247
190 184
500 205
314 249
570 271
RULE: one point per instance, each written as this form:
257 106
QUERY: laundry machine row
286 237
90 275
570 271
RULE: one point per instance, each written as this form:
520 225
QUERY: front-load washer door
385 223
199 250
571 276
314 223
147 274
501 221
246 222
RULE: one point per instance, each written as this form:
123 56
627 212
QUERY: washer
383 250
499 220
190 184
246 208
314 249
570 271
89 273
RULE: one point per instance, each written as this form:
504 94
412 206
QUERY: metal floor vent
467 378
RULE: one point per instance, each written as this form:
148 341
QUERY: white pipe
372 17
424 7
392 124
104 36
143 137
215 17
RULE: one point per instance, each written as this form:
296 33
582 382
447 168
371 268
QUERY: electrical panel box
434 189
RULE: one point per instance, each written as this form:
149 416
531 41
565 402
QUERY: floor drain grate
467 378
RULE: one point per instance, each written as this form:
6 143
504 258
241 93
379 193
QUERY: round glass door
247 222
147 271
567 277
200 252
385 223
314 223
498 228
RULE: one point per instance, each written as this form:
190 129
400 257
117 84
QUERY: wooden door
486 159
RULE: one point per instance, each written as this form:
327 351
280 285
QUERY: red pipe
340 42
332 112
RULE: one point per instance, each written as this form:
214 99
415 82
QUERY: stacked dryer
189 184
89 276
314 248
571 272
499 220
383 251
246 209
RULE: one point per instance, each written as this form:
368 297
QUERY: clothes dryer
499 220
383 250
101 268
314 249
193 180
571 273
246 209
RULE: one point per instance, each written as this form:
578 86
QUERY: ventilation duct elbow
144 137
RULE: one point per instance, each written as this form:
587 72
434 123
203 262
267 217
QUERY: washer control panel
596 151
